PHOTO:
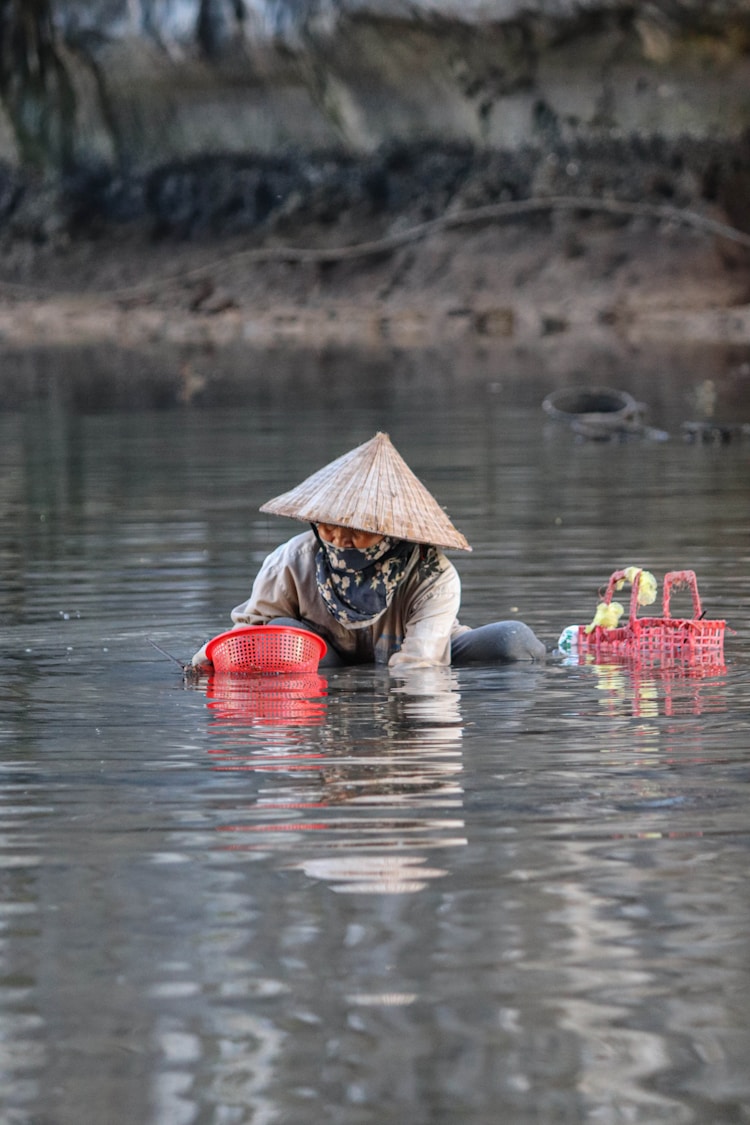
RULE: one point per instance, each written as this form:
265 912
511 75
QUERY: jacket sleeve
274 594
429 623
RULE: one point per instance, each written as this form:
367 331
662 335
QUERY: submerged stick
169 656
190 674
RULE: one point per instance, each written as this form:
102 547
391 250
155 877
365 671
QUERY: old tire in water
599 408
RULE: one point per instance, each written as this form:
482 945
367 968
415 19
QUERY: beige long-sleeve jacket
415 630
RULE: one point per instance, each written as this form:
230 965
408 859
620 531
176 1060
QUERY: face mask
358 586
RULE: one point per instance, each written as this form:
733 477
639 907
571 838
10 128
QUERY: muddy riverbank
449 275
557 273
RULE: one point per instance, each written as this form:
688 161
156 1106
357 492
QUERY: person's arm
273 595
429 623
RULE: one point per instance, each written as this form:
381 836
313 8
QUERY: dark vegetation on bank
225 195
54 195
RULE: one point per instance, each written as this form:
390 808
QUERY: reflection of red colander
298 700
266 648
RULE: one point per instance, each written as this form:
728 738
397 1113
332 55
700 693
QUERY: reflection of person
370 577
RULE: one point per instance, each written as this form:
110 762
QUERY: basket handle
681 578
620 576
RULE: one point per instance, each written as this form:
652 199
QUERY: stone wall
138 83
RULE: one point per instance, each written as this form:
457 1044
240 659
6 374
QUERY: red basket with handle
266 649
664 637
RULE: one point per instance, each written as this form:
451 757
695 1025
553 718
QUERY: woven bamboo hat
371 488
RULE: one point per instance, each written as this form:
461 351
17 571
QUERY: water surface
478 895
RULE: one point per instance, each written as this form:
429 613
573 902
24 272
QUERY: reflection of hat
371 488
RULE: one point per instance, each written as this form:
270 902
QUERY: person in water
370 576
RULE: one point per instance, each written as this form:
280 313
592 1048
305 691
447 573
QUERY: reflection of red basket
659 687
297 700
664 637
266 648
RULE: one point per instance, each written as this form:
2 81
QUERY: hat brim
371 488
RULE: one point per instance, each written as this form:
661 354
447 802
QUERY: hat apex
370 488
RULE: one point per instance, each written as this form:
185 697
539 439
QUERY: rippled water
477 895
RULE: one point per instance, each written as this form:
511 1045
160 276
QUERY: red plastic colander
264 649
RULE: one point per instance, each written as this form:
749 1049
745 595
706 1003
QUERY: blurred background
462 189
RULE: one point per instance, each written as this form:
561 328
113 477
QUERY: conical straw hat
371 488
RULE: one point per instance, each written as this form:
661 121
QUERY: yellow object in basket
607 615
646 586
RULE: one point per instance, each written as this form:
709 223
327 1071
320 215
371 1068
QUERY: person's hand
200 663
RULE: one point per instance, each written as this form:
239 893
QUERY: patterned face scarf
358 586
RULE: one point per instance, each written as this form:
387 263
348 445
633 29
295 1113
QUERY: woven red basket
264 649
664 637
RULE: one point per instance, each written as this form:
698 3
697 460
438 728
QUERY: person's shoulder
433 573
303 544
433 563
297 547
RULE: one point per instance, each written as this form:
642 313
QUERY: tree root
492 213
